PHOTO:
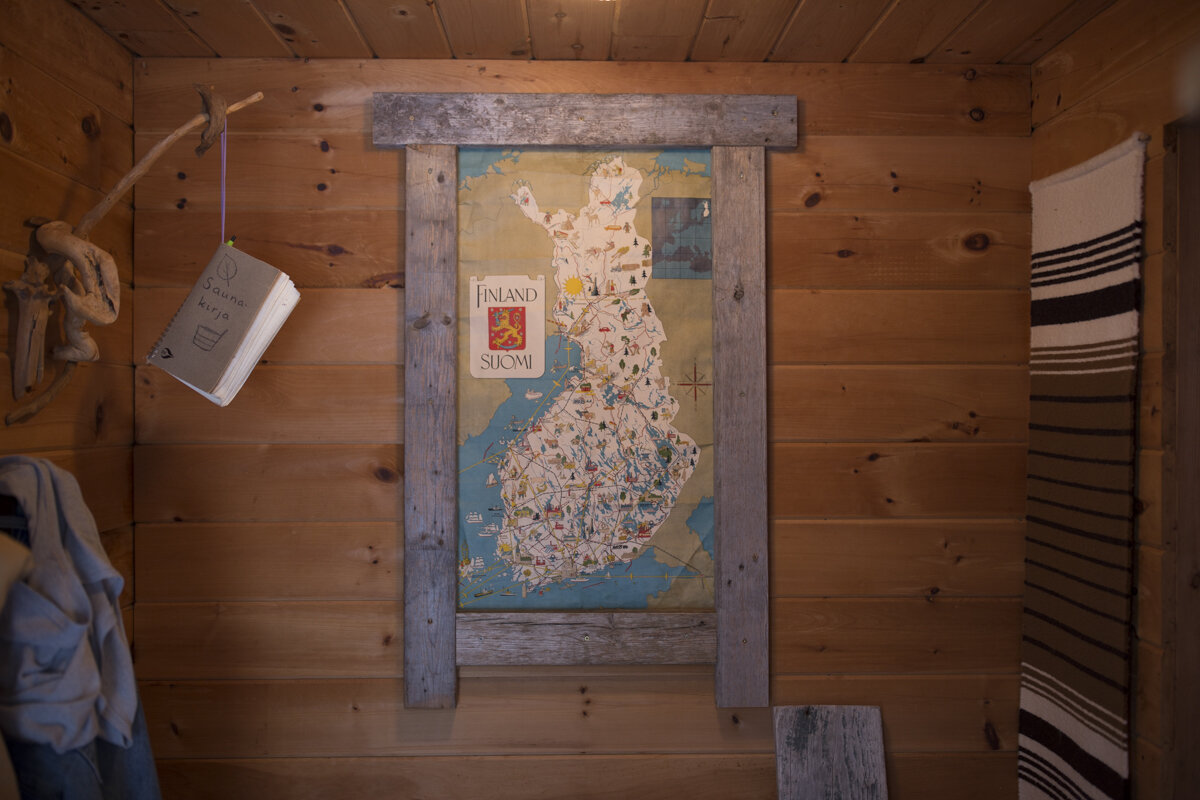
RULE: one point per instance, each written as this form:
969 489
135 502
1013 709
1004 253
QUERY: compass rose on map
694 383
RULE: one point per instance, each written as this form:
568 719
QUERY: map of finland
567 498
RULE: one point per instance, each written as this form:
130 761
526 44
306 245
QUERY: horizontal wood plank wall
66 138
269 542
1117 75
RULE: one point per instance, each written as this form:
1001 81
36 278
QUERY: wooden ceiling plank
662 31
67 45
1069 20
486 28
315 28
910 29
1117 43
147 27
232 28
995 30
741 30
827 30
571 30
409 29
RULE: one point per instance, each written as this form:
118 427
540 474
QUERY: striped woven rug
1075 648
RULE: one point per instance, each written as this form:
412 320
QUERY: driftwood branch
142 167
85 275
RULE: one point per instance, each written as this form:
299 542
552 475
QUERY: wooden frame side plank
740 412
430 460
504 638
585 120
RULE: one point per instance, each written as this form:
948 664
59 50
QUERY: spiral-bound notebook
226 323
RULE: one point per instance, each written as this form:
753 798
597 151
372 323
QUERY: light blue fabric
66 676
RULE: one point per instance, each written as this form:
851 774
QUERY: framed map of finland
611 405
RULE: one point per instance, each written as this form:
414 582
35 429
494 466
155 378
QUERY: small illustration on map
594 482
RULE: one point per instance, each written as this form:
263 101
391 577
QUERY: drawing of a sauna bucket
206 338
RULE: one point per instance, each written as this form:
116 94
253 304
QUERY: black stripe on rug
1086 486
1089 609
1066 551
1058 526
1107 302
1111 462
1080 274
1066 659
1080 635
1050 774
1135 225
1104 257
1033 426
1082 581
1081 510
1092 769
1048 778
1063 398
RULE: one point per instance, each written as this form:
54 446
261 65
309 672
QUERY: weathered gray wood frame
436 637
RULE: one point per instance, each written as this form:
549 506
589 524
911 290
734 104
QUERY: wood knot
970 75
6 127
812 199
977 114
977 242
421 322
387 475
738 292
90 127
989 733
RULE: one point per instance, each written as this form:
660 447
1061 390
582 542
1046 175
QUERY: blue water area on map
623 585
685 161
475 162
701 523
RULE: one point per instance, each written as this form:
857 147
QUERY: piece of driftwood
501 639
584 120
84 275
829 753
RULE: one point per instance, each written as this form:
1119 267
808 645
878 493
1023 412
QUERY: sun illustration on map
573 286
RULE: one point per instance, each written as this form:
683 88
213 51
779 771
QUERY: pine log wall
267 620
66 137
1117 75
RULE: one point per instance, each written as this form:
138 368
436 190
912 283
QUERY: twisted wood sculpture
84 275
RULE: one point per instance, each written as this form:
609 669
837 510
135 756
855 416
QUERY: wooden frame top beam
585 120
